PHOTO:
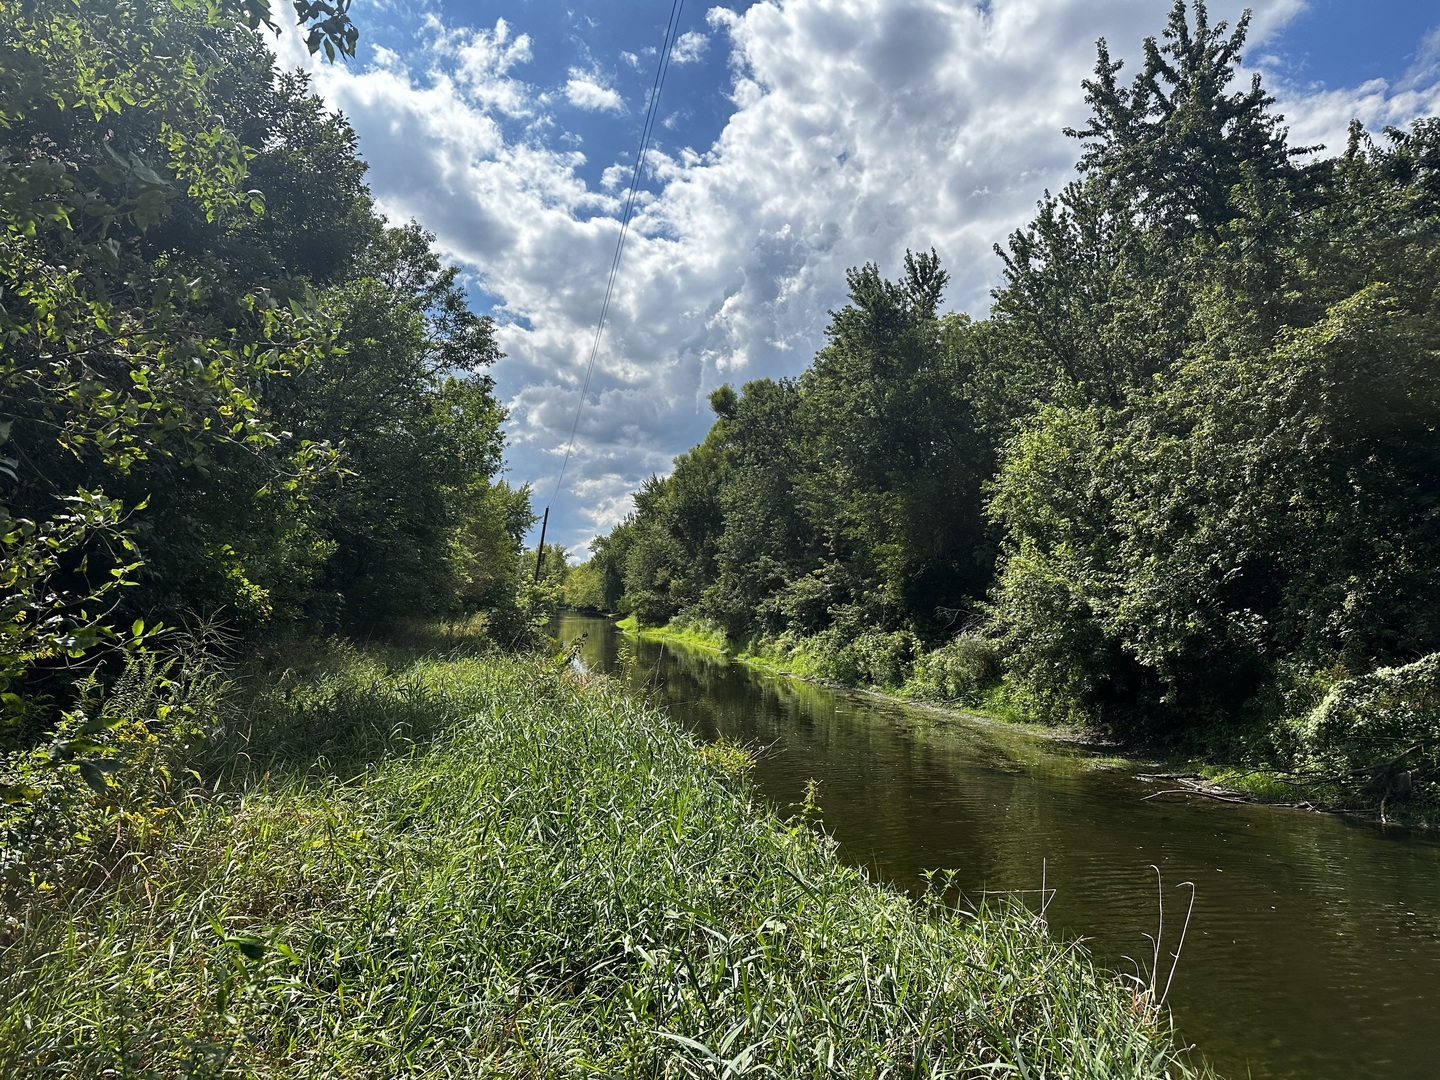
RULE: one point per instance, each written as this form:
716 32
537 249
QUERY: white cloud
584 90
1426 68
1322 117
479 63
859 128
689 47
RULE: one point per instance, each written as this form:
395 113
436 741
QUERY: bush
112 771
1376 738
870 658
962 670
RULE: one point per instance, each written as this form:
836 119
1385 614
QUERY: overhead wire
647 131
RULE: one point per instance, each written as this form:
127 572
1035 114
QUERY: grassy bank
964 675
1368 745
387 862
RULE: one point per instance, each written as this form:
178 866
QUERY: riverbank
801 663
381 861
966 670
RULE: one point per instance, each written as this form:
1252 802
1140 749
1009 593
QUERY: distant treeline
1185 475
227 385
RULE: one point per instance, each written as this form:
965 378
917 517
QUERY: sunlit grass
408 865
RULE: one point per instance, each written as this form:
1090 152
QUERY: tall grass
399 865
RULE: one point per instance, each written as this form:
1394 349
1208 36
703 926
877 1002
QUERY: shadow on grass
333 707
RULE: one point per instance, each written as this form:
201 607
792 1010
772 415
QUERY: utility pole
540 551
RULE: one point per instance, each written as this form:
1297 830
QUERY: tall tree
893 460
118 360
1176 158
256 400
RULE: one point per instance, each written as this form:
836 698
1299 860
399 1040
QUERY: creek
1313 950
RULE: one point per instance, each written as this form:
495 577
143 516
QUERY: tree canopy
1183 475
229 387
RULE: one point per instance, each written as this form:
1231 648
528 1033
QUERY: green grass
410 865
1259 784
694 633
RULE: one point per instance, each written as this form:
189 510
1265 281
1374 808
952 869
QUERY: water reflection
1315 945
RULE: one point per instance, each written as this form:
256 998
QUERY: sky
795 139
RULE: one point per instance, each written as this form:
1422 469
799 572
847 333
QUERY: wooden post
540 551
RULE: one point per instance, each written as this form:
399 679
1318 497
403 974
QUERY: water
1314 949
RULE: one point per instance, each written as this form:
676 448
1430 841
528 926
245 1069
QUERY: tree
892 457
766 542
218 397
407 404
1096 297
1172 148
116 361
1258 497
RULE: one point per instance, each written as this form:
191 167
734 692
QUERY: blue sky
1341 43
797 138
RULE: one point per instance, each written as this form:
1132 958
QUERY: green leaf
10 794
93 775
252 948
98 724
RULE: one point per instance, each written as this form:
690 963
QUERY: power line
661 68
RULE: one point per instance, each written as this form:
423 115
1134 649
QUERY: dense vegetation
229 388
239 412
1182 483
398 862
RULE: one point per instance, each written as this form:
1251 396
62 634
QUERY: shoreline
1145 765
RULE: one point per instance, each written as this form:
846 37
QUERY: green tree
893 459
227 386
1263 498
407 404
766 542
117 361
1099 288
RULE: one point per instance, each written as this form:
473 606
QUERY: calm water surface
1314 950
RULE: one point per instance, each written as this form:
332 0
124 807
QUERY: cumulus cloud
858 128
585 90
479 61
689 47
1322 118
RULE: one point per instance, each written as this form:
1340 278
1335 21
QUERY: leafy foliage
850 496
227 385
1377 737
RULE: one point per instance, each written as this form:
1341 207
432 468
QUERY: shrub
961 670
871 658
110 774
1376 738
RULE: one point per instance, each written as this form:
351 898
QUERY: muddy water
1314 946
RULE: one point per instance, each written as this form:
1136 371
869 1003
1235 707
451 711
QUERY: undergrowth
387 863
